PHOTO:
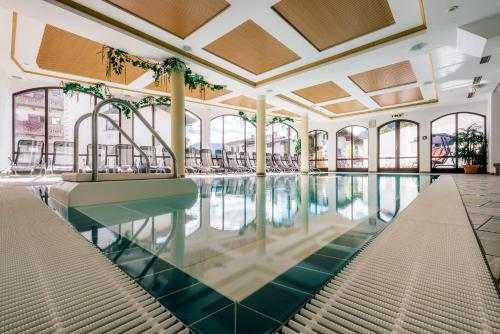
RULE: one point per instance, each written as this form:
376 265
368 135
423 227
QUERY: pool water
247 252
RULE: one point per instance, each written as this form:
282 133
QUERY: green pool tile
325 264
166 282
236 319
276 301
194 303
351 240
338 251
131 253
305 280
147 266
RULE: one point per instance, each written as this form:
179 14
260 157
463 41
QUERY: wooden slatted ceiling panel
65 52
345 107
244 102
251 48
326 23
196 93
385 77
283 112
323 92
179 17
399 97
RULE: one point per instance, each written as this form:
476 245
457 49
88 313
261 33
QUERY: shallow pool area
247 252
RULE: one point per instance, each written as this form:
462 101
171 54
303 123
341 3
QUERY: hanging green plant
275 119
117 59
101 91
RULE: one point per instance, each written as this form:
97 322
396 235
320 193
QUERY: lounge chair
62 157
154 158
102 158
246 161
270 165
287 159
27 158
164 162
220 159
192 165
124 158
278 163
232 163
208 161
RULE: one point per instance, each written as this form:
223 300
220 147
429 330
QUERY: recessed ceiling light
427 83
187 48
269 91
453 8
418 46
17 77
25 63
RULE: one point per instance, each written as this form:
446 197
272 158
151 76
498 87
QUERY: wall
423 116
493 126
6 120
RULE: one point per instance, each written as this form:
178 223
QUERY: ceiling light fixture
453 8
427 83
418 46
17 77
485 59
187 48
269 91
477 79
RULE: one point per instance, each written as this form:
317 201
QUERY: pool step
53 281
425 273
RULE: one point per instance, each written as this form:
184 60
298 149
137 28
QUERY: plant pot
471 169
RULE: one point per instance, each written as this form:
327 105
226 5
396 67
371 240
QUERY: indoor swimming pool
247 252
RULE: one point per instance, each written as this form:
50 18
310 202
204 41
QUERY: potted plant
471 148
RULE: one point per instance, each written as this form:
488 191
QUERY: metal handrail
76 139
134 111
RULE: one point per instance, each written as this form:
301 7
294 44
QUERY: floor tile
494 263
146 266
322 263
236 319
491 225
350 240
194 303
305 280
166 282
276 301
490 242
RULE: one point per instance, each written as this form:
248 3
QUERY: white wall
423 116
493 129
5 120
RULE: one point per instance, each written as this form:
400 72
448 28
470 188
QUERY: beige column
304 143
178 123
261 135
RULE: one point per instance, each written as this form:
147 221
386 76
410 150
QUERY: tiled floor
481 196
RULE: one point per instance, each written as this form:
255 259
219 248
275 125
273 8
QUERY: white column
372 147
6 123
178 124
304 143
493 124
261 135
332 151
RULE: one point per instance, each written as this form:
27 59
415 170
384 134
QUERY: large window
443 139
318 151
47 115
352 148
398 146
159 117
233 134
281 138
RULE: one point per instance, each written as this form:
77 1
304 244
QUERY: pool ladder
95 114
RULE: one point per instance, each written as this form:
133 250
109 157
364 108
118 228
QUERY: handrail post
76 140
134 111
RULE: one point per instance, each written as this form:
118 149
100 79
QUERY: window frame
315 159
397 156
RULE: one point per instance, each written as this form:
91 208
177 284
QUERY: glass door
398 146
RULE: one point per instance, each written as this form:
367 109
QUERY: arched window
232 133
281 138
443 139
352 148
160 119
318 151
398 146
48 115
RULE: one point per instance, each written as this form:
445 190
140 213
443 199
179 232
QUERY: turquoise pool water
246 253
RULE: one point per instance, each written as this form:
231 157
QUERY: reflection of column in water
331 189
260 218
304 201
372 195
178 239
